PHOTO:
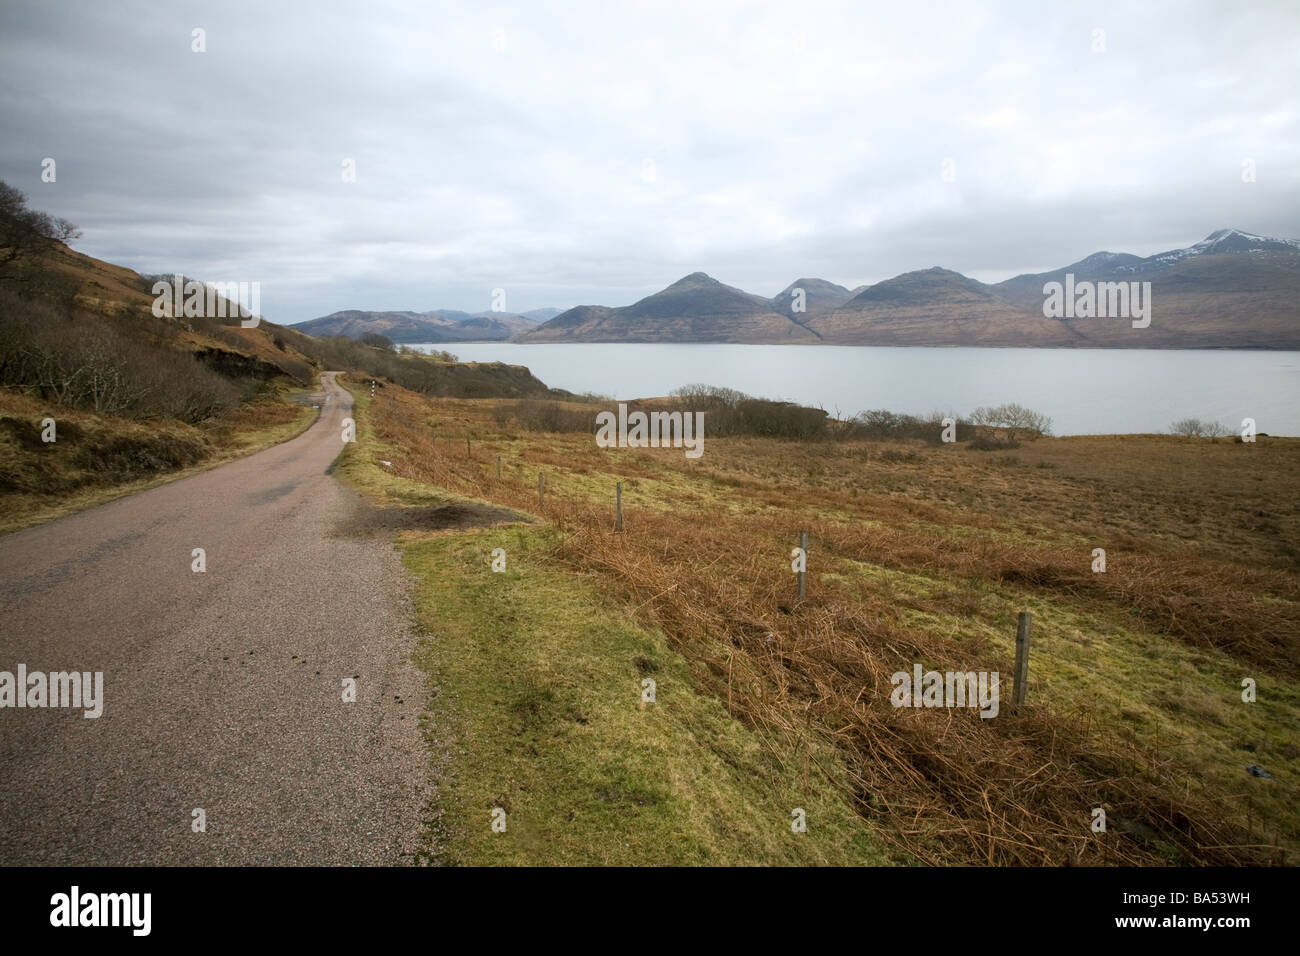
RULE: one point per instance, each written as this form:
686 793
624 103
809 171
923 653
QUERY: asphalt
223 690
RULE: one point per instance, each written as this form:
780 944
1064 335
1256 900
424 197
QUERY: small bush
125 457
541 416
729 412
1196 428
883 425
1014 419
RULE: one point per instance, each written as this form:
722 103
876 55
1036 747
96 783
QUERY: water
1085 391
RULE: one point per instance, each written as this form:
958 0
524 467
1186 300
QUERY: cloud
506 145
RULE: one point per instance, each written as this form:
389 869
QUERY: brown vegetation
925 555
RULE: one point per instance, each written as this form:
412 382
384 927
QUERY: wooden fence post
498 466
468 454
618 506
541 489
803 547
1020 687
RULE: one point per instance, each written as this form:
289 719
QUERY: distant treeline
730 412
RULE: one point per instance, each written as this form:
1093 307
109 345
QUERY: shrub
541 416
729 412
1196 428
881 424
1014 418
88 363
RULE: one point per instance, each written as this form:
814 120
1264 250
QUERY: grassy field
919 555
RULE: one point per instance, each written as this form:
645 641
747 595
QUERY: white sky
595 152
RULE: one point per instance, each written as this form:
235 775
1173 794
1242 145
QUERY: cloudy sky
594 152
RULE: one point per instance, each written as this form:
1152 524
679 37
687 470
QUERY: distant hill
819 297
695 308
437 325
1231 290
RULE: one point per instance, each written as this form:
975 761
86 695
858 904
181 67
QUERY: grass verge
540 686
97 459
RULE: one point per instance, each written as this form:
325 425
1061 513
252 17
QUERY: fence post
618 506
498 466
541 489
468 454
1020 687
803 547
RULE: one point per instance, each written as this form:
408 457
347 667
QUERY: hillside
1231 290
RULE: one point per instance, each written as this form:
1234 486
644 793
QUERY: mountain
937 307
438 325
819 296
1232 289
695 308
1027 290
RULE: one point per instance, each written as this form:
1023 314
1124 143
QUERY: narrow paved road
223 690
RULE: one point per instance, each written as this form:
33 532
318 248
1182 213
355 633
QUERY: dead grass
924 557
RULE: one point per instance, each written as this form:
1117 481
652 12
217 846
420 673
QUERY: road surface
223 690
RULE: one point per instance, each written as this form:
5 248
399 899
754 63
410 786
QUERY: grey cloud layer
586 153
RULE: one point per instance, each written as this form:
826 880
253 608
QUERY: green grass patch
539 694
1184 702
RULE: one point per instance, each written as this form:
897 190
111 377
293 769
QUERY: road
223 690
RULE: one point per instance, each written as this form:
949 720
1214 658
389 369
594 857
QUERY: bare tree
26 232
1196 428
1014 418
